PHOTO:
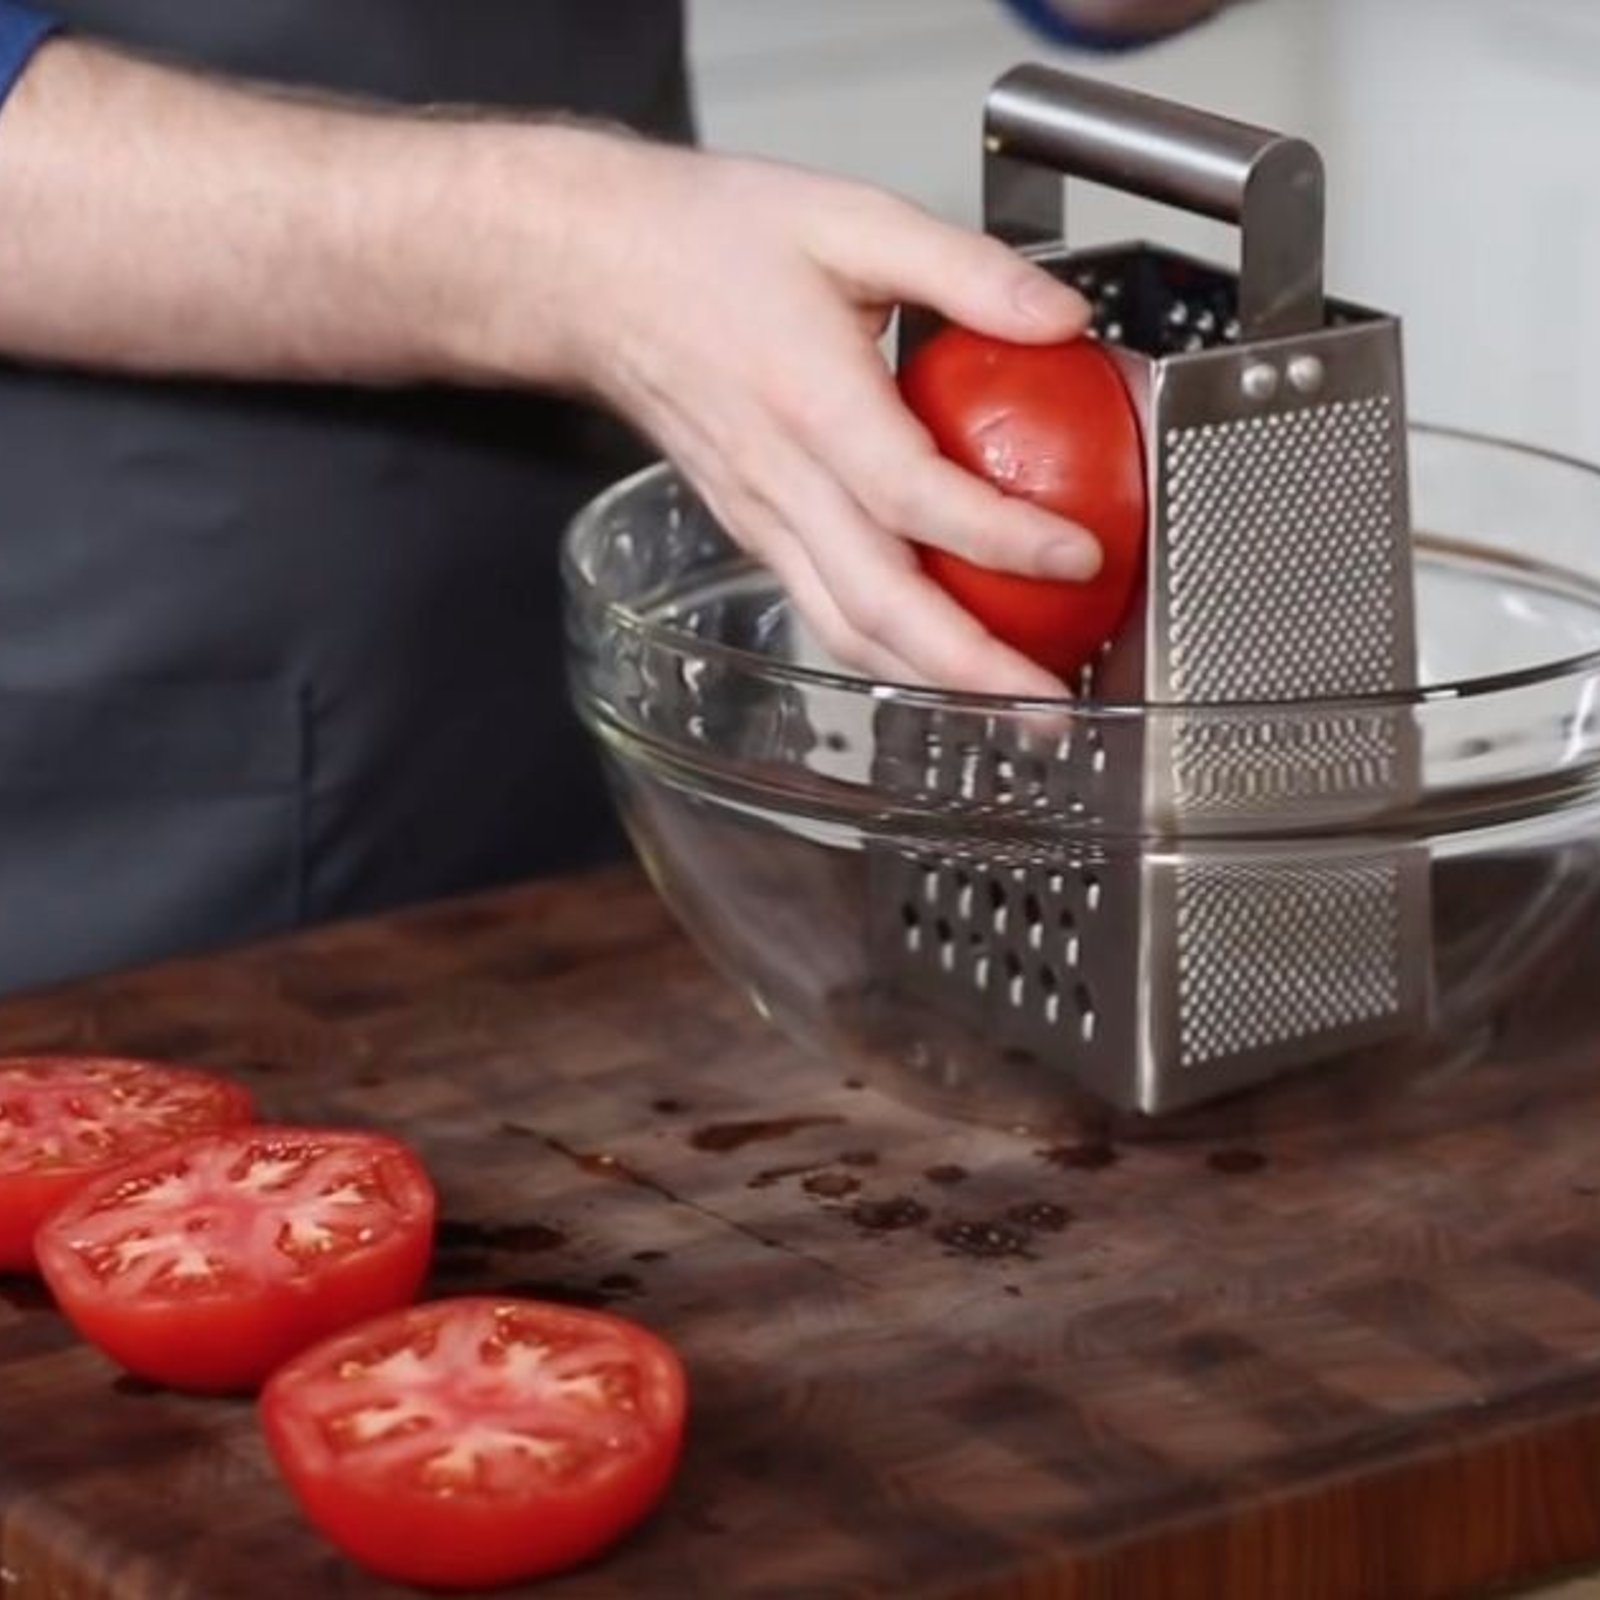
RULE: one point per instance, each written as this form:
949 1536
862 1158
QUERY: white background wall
1462 139
1467 135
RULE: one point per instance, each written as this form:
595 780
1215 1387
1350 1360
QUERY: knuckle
747 523
835 636
826 413
899 499
963 660
873 206
983 546
839 641
903 494
817 612
859 655
982 535
870 612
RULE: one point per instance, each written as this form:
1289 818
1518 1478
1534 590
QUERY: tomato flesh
204 1265
474 1442
63 1119
1052 424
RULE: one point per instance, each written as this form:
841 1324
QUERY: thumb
902 253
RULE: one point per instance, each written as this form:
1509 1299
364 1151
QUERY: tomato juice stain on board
136 1388
990 1241
721 1138
1236 1163
831 1185
593 1163
888 1216
520 1237
1040 1215
23 1294
772 1176
597 1163
1094 1156
474 1265
601 1164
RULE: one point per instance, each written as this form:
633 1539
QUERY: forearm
729 310
1112 24
1135 16
154 221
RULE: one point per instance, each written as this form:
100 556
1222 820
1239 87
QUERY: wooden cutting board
1326 1344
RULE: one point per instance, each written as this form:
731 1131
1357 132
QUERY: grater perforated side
1251 946
1156 976
1310 490
1279 572
1191 949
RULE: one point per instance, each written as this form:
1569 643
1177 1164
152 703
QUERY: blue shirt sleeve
22 31
1043 18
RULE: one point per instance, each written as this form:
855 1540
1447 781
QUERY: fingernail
1042 298
1070 558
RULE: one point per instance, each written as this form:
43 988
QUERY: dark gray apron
271 655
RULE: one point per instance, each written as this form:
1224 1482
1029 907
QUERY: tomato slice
1053 424
473 1442
205 1264
65 1118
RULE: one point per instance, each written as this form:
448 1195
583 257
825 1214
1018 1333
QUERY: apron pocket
141 821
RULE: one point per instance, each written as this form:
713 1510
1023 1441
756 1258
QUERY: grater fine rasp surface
1181 902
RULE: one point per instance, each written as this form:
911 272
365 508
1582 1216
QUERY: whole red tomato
1052 424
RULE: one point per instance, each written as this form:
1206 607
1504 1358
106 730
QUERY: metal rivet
1259 381
1306 373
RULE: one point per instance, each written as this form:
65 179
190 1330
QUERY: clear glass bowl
763 792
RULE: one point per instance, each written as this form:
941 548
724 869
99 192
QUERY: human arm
159 222
1112 24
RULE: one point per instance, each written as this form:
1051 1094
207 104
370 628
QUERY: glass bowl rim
615 614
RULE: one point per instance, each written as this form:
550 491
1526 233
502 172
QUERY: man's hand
731 309
155 222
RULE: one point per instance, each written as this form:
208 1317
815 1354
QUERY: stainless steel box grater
1178 903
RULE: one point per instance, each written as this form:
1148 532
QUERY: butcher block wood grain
1323 1345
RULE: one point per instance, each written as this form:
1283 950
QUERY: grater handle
1041 125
